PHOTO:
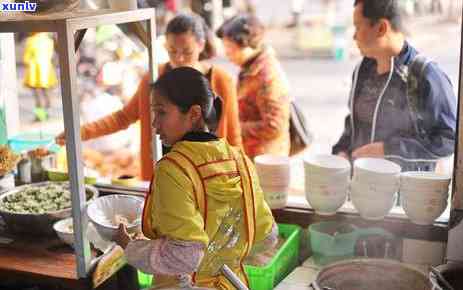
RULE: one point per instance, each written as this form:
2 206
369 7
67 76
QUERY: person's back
223 184
205 207
264 102
264 105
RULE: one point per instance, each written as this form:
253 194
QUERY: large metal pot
36 224
452 272
369 274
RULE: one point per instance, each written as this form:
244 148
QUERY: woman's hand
60 139
372 150
343 155
122 237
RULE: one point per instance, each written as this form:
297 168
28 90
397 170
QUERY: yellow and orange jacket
195 187
38 55
138 108
264 101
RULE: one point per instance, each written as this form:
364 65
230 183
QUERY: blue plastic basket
29 141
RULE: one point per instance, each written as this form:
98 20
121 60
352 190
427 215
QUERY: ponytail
212 116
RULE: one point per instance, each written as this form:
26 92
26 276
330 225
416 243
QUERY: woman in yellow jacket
205 207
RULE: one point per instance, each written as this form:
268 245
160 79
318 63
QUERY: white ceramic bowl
373 190
371 170
422 214
273 170
424 195
438 200
326 164
327 189
271 160
427 181
326 204
377 165
425 178
336 177
423 191
275 196
64 230
103 211
373 208
383 180
378 181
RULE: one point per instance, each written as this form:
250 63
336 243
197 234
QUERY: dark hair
183 23
185 87
246 30
374 10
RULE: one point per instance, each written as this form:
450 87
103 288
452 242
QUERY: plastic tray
266 277
286 259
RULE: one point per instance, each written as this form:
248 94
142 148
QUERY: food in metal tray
39 199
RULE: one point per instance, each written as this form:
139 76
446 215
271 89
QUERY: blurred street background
316 51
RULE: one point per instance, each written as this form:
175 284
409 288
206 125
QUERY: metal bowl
102 211
452 272
367 274
36 224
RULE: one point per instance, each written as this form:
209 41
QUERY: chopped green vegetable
39 199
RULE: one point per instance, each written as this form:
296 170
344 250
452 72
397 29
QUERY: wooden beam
70 99
78 37
457 199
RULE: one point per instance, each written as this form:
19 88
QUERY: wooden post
151 32
458 165
455 233
454 10
67 60
8 88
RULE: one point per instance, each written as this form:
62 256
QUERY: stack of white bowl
424 195
374 187
274 177
326 182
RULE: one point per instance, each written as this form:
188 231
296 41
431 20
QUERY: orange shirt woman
187 42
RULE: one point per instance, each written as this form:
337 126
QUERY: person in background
297 7
188 43
165 10
97 102
382 119
262 87
297 10
204 192
40 73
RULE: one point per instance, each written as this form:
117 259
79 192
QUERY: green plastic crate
267 277
286 259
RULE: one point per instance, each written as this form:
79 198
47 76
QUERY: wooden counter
48 262
48 257
44 261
